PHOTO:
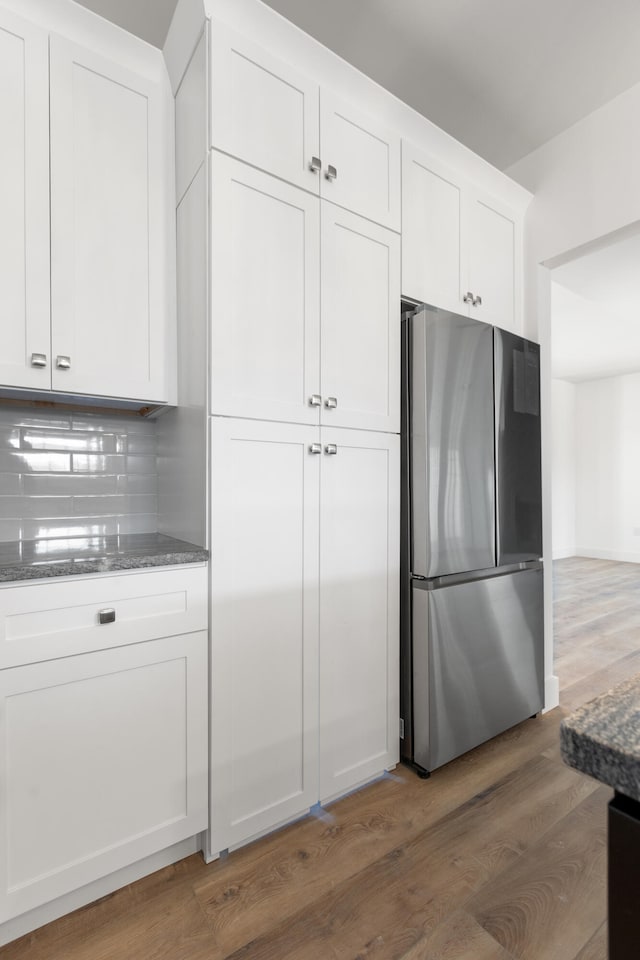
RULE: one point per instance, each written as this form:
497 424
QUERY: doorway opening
595 465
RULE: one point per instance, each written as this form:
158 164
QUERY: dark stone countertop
37 559
602 738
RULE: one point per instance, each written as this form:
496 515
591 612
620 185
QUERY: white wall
607 468
586 180
586 183
563 468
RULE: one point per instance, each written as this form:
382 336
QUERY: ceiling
148 19
502 76
595 314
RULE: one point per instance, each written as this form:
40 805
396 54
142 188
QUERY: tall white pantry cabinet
326 200
305 455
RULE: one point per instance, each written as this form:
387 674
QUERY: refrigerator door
477 662
452 443
518 467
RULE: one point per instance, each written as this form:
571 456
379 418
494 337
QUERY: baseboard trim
551 693
597 553
563 553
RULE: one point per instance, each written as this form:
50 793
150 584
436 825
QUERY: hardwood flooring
500 856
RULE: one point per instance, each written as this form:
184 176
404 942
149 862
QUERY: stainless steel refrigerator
472 594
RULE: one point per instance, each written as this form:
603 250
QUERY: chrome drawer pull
108 615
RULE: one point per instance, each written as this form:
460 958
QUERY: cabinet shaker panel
265 295
360 324
108 296
493 261
264 623
25 359
117 771
432 242
263 111
359 607
360 161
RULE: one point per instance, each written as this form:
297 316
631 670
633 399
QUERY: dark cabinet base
624 878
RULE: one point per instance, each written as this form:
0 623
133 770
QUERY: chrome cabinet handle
315 165
332 173
331 403
315 448
38 359
108 615
315 400
476 302
331 449
468 297
63 363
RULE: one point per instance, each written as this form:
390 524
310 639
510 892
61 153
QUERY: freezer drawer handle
108 615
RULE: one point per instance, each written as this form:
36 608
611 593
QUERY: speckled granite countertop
602 738
35 559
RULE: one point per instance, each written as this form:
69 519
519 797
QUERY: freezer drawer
477 662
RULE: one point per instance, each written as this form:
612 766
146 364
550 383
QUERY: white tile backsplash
67 475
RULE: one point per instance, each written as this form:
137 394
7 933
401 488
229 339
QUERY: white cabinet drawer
44 621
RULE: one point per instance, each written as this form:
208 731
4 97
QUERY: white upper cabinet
265 343
266 113
262 110
24 204
360 324
495 261
107 304
432 238
461 249
86 291
360 161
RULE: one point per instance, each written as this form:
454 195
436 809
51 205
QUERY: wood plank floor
500 856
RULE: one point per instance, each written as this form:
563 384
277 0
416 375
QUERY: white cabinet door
265 296
262 110
461 249
360 161
360 322
24 204
434 260
359 608
103 761
108 226
495 261
264 626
